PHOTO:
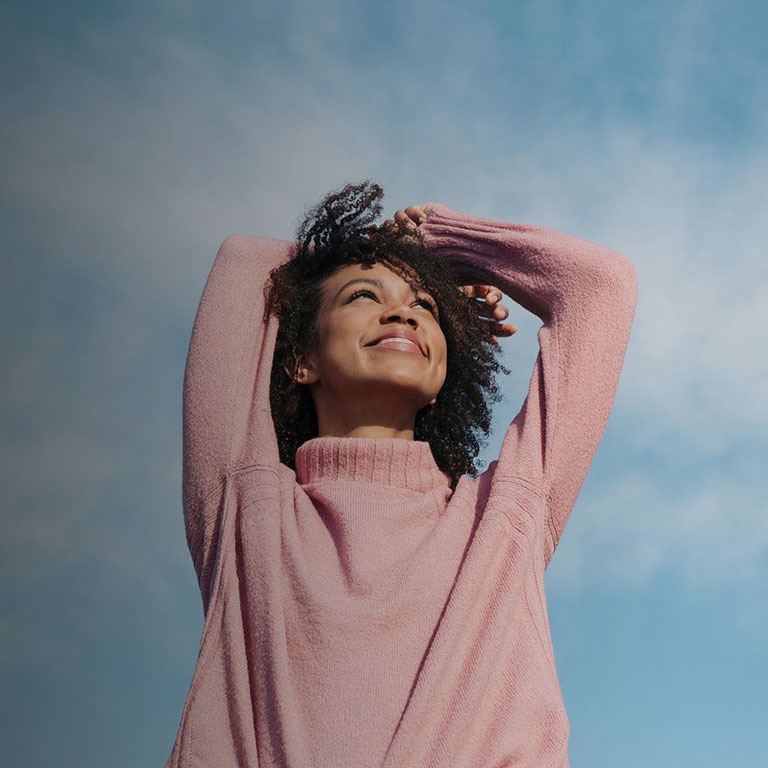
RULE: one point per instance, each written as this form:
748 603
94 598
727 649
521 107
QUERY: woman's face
353 361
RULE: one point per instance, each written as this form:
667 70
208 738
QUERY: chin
408 388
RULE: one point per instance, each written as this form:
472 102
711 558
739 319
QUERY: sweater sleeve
586 297
227 420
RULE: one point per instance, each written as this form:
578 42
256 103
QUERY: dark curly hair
340 231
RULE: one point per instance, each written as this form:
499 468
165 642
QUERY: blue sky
137 137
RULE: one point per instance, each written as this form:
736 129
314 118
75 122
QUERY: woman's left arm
586 296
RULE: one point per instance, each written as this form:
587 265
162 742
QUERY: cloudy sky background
135 139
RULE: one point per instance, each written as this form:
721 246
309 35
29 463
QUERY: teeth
397 341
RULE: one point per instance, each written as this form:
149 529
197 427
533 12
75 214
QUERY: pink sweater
357 612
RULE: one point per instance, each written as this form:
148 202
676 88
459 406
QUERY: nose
402 314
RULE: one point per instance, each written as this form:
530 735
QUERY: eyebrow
370 280
380 285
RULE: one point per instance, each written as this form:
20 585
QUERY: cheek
440 345
439 351
338 342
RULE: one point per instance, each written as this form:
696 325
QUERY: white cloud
714 534
140 185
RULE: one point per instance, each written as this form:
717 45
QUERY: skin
364 390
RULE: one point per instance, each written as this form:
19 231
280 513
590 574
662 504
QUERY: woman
370 600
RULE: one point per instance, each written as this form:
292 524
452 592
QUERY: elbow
611 274
620 277
627 278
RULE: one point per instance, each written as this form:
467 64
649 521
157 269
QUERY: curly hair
340 231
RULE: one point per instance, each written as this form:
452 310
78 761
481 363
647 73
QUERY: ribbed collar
383 460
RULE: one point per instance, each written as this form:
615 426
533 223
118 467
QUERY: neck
366 430
366 419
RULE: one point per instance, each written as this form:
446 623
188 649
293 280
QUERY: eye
361 292
430 305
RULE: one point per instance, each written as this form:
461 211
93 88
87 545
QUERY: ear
304 371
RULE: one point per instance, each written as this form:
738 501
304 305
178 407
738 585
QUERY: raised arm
227 421
586 296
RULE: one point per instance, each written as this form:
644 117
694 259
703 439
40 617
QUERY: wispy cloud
133 145
129 162
624 533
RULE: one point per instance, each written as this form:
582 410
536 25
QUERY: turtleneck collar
383 460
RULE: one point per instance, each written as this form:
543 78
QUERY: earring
296 371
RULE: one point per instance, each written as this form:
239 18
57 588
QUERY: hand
411 216
492 296
415 215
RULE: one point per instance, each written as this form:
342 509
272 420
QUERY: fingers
499 312
411 222
492 299
417 213
413 215
490 308
505 329
490 293
492 296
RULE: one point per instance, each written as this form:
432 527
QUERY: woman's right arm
227 420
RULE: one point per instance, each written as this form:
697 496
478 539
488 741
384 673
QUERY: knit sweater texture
358 612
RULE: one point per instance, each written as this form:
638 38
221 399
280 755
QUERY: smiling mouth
399 344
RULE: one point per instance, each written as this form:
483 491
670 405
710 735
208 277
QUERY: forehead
390 275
